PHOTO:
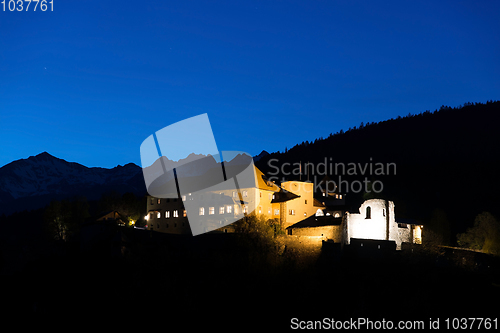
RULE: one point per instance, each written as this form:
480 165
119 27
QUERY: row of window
214 195
222 210
229 209
211 196
175 213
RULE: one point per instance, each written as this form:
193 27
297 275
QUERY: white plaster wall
374 228
358 226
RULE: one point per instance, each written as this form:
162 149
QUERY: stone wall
303 248
333 232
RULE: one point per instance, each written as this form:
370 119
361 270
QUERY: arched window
368 212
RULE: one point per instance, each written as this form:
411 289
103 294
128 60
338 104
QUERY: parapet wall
333 232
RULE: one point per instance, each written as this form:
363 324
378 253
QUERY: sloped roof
317 221
317 203
116 214
284 196
263 183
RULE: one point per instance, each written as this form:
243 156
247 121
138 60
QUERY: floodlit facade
296 202
376 220
293 204
290 203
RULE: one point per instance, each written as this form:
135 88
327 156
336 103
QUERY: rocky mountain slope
31 183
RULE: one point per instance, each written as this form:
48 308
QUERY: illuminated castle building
294 205
290 203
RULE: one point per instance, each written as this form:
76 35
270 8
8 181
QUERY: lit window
245 209
202 210
269 210
276 212
274 196
260 209
291 211
221 210
245 194
340 196
184 214
176 213
229 209
158 215
183 198
305 214
167 214
211 210
159 200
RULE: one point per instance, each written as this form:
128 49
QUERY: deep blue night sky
91 80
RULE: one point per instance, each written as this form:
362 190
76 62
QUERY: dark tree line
447 162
